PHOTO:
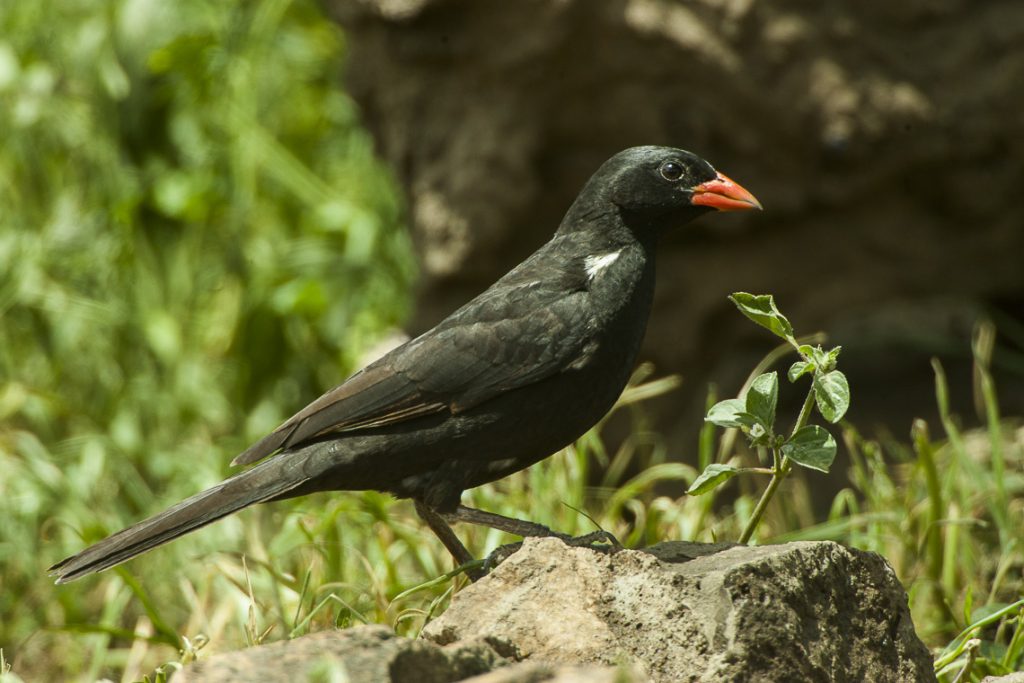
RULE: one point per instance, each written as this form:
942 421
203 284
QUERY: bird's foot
521 527
595 540
599 541
499 555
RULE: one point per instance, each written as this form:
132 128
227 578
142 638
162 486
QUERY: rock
687 612
674 612
884 139
538 672
365 654
374 654
1017 677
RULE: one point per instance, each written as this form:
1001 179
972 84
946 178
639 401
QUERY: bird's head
657 188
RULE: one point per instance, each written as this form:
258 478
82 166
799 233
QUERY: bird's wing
507 338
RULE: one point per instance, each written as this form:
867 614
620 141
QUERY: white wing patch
597 263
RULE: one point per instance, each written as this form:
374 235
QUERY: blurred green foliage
195 238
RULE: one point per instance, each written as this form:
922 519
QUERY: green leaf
799 369
812 446
832 395
713 476
762 398
761 309
726 413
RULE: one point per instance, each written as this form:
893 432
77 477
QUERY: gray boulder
365 654
690 612
675 612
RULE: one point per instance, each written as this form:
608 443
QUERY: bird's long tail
270 479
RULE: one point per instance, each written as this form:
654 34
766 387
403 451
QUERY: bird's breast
621 290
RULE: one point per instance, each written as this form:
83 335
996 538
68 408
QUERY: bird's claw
595 540
601 541
499 555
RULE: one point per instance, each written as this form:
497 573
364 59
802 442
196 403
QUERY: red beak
724 195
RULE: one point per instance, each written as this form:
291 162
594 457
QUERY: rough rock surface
374 654
539 672
682 612
884 139
675 612
366 654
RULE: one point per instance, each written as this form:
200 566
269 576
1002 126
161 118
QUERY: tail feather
270 479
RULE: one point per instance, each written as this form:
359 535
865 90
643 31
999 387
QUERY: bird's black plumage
515 374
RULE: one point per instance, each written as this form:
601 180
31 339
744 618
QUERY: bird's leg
447 537
510 525
521 527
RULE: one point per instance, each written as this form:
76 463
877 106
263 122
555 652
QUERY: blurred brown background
885 140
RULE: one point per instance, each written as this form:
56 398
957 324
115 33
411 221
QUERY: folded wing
505 339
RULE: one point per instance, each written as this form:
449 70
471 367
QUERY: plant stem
755 518
780 472
805 412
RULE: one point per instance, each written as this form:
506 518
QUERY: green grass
189 206
196 239
350 558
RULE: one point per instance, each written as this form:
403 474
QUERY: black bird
517 373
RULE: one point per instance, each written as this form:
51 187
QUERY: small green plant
806 445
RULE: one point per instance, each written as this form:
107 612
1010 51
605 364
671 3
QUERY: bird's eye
670 170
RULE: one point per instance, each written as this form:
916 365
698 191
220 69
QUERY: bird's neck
604 228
